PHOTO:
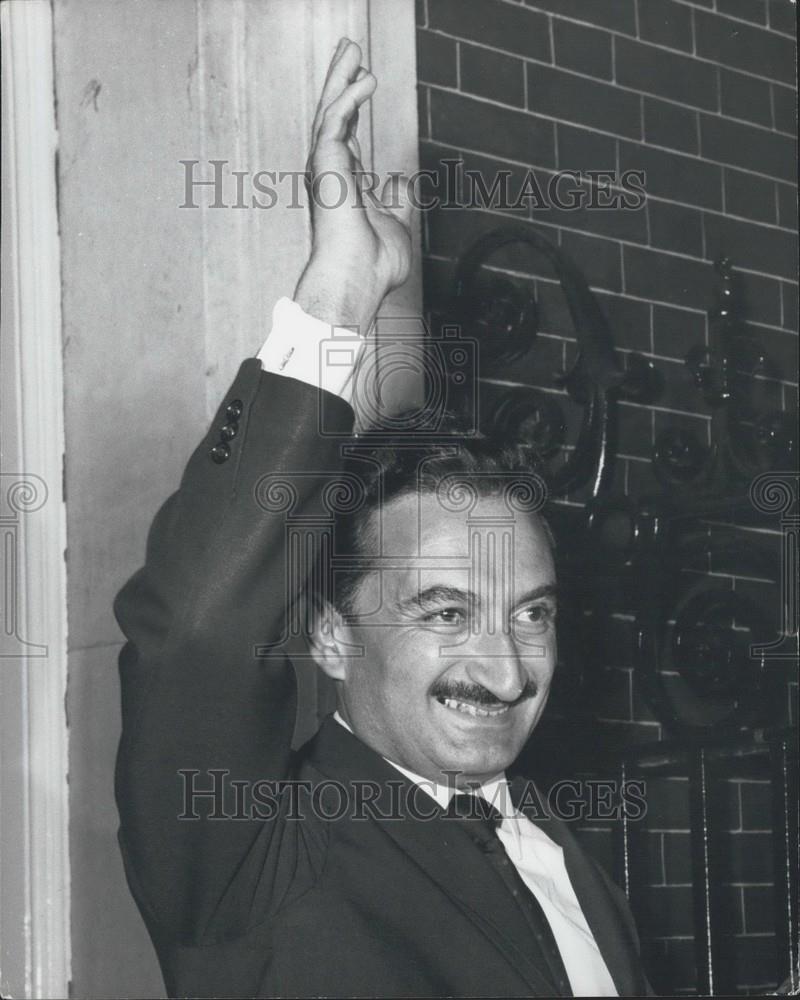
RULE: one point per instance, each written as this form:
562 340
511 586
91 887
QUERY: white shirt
309 350
305 348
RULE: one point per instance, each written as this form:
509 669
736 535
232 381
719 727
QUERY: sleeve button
229 431
234 409
220 453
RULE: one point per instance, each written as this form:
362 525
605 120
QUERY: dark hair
456 467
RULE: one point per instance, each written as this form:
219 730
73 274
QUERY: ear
328 641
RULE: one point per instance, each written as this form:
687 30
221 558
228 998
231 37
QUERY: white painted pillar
161 304
34 858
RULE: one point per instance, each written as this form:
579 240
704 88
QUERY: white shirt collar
495 790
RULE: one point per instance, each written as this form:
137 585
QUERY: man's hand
361 247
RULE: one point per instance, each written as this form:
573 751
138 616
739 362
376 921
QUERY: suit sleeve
196 697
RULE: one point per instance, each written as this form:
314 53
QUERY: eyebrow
546 590
440 593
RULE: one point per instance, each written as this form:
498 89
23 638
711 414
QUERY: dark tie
480 819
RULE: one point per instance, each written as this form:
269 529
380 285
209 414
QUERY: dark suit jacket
282 906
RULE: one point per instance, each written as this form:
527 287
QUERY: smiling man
389 856
455 648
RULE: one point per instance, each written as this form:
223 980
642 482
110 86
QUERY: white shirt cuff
310 351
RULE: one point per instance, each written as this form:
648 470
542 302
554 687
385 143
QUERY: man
440 640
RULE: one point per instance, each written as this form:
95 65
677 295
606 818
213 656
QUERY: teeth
474 710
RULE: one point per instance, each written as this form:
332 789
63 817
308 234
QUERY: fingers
340 47
355 149
337 117
352 129
344 68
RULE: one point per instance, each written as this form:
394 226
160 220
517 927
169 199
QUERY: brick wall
700 96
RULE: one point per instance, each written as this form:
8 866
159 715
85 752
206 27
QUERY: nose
494 663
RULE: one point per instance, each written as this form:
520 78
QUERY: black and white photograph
399 499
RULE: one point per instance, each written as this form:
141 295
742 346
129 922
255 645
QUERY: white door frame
34 847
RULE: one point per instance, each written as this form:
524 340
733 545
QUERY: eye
445 616
537 617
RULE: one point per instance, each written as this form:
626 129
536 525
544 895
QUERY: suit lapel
612 936
440 847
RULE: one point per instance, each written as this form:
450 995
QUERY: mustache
476 694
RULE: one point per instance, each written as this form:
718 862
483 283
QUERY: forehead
464 547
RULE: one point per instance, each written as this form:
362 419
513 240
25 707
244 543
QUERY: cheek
539 658
402 664
384 665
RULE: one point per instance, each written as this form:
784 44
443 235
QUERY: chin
487 762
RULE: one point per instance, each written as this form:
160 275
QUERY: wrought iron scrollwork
745 439
696 634
532 417
503 317
699 640
695 657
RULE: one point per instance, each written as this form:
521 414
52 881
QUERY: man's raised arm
195 697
